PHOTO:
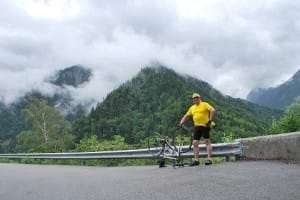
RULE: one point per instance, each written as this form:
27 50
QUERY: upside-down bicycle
170 146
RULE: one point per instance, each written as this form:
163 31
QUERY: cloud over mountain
235 46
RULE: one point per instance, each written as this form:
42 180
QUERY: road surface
239 180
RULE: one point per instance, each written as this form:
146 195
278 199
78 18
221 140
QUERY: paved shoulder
232 180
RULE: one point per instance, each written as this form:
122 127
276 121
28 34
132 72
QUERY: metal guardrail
219 150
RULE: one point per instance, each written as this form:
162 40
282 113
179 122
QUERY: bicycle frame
163 148
171 152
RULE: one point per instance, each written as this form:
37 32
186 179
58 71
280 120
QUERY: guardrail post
227 158
237 157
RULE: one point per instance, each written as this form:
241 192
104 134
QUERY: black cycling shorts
201 131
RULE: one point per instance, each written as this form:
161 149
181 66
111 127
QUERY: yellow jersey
200 113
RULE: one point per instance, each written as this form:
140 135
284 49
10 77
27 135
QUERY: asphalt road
240 180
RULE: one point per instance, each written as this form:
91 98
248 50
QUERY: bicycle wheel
155 144
183 139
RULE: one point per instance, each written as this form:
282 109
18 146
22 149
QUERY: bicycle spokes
164 147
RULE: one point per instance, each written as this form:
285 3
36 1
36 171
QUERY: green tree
93 144
88 144
289 122
50 131
30 141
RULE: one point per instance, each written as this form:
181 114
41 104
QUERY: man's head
195 95
196 98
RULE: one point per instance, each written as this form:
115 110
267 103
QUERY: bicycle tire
184 139
155 144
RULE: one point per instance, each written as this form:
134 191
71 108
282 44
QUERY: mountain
11 119
278 97
156 99
74 76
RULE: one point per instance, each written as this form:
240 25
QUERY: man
203 114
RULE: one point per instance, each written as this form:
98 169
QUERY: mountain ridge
11 119
153 100
277 97
156 99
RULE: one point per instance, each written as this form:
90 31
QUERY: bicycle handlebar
183 127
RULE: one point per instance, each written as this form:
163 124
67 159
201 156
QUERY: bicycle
163 147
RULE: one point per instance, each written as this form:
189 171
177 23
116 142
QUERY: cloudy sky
235 45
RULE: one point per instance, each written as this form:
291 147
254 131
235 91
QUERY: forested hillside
12 122
154 100
157 98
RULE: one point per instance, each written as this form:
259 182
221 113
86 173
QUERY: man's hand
208 123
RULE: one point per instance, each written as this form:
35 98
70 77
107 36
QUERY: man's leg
209 151
196 149
196 153
208 148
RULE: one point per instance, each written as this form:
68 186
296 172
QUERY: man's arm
212 114
183 120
